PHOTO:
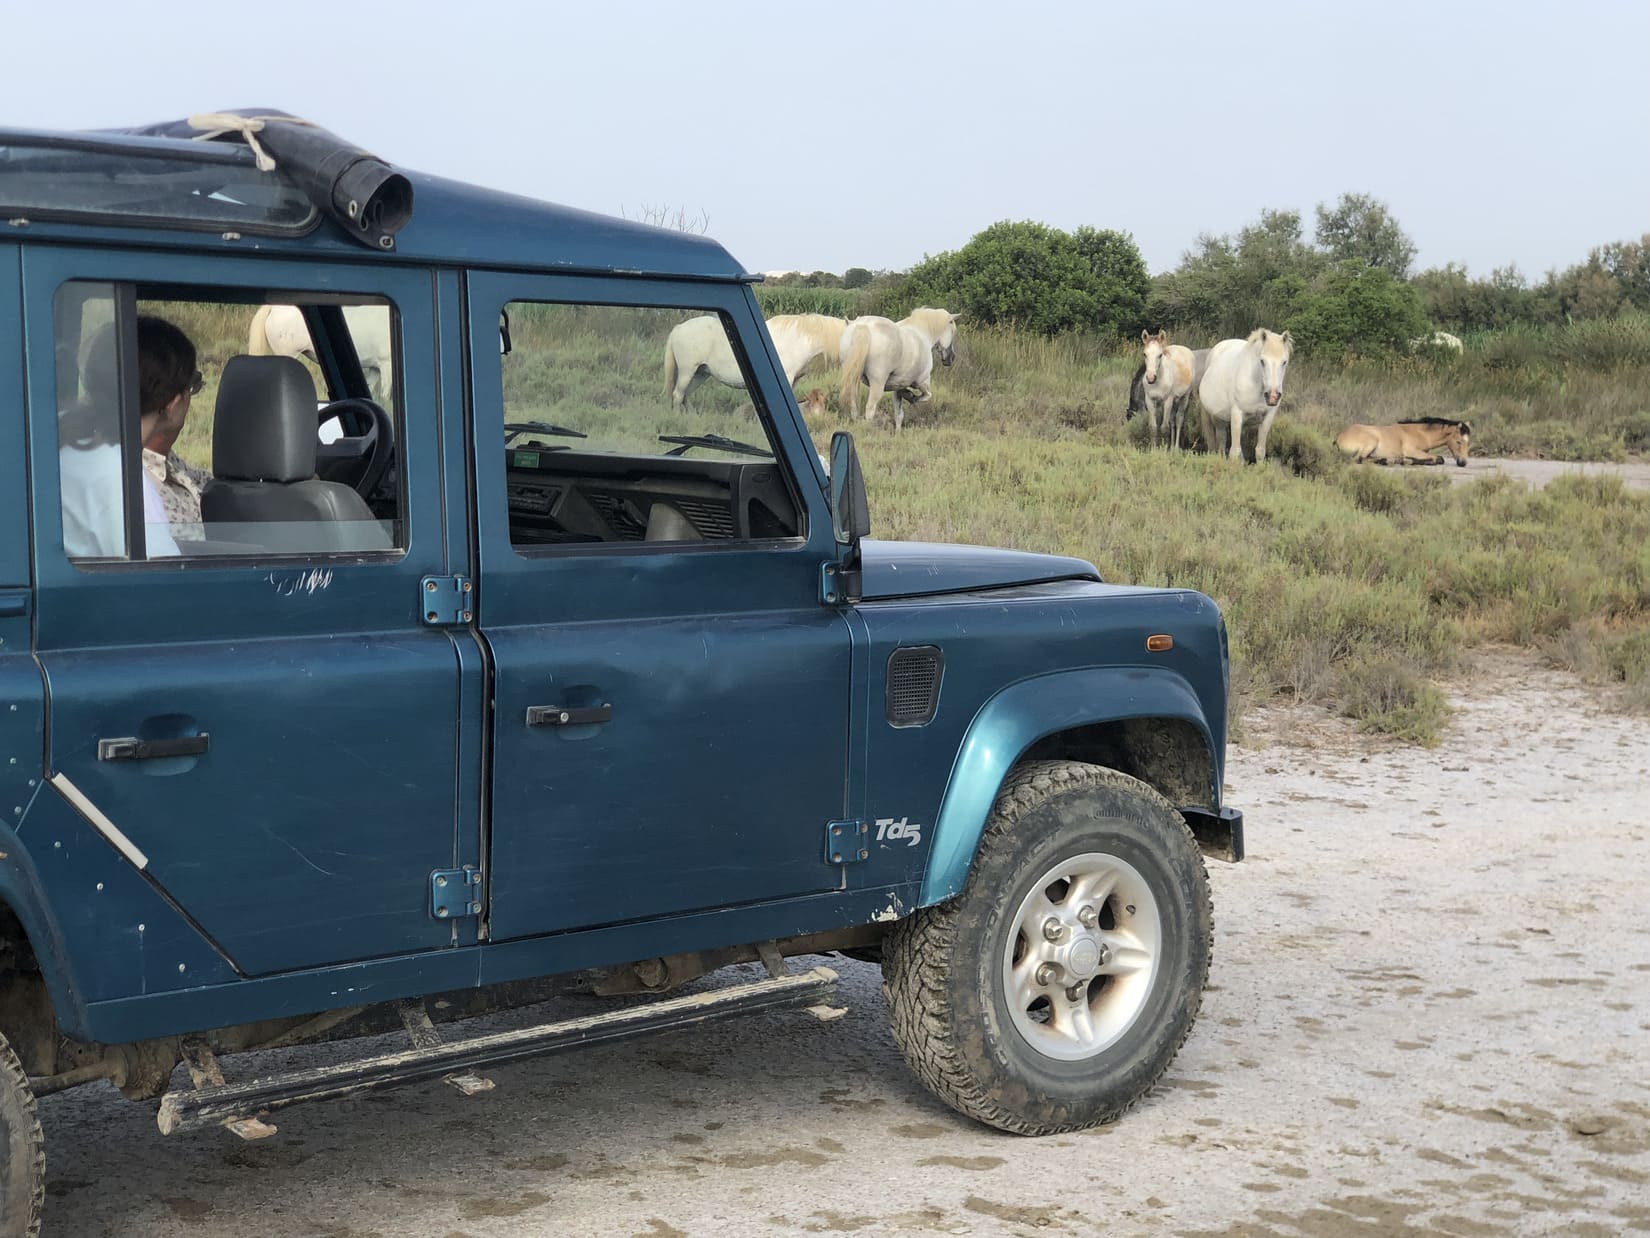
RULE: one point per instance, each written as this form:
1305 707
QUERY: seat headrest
263 426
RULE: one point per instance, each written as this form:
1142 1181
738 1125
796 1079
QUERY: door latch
568 715
134 749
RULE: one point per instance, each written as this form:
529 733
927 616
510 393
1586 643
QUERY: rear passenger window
190 427
627 424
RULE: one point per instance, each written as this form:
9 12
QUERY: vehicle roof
452 223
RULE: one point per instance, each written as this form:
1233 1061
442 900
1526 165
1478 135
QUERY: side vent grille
913 691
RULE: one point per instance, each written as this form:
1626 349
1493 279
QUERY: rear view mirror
850 521
850 517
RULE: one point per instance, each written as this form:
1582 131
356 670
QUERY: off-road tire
23 1172
943 965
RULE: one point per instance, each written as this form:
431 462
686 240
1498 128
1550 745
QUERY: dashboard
558 496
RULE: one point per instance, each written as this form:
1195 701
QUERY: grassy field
1356 586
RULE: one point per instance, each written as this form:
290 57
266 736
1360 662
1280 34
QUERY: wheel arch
31 946
1146 722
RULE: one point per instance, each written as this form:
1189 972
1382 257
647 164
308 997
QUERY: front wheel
1055 990
23 1167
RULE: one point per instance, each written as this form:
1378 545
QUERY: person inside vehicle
90 447
166 363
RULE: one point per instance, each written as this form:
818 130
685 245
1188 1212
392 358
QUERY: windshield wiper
513 428
718 441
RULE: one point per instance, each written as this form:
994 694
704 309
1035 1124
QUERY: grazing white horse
1243 377
895 356
698 349
279 330
1170 372
1438 339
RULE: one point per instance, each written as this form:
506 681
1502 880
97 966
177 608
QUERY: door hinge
455 893
847 842
446 600
840 584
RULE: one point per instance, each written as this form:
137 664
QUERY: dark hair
166 367
166 363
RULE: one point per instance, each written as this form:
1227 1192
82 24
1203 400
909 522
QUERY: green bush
1358 310
1388 697
1037 278
1303 450
1373 487
1229 285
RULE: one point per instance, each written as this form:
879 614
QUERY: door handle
133 749
568 715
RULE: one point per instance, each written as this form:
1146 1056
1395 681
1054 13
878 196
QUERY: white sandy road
1430 1013
1634 475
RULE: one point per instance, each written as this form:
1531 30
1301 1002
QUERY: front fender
1015 719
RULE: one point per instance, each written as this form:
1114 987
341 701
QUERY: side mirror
850 517
850 520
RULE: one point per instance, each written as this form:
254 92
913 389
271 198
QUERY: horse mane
933 320
1437 421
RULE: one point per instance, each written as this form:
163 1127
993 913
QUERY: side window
94 481
633 424
191 426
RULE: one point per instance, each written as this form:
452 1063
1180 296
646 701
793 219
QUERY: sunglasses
196 383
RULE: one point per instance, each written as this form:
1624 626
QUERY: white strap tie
220 123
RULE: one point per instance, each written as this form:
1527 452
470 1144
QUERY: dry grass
1352 585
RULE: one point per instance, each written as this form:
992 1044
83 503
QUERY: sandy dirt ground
1635 475
1429 1014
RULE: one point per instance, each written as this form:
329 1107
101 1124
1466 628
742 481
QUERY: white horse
698 349
1438 339
1170 371
279 330
1243 377
895 356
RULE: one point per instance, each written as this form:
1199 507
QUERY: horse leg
685 382
698 376
1177 413
1265 429
1235 429
899 410
873 395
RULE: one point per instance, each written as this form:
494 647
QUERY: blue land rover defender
410 644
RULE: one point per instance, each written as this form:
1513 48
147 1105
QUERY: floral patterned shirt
180 492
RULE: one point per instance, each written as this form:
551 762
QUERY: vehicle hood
911 569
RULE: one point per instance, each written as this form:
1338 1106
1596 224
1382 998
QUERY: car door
264 721
670 697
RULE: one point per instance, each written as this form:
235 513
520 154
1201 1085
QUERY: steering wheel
370 452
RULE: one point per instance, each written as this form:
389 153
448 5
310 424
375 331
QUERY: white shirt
94 524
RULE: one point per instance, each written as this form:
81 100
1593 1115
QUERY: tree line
1346 291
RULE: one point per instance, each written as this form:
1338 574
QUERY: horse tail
257 339
856 347
670 369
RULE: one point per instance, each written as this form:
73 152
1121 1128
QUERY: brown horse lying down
1407 442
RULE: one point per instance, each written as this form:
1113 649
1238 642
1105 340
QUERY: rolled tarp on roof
367 197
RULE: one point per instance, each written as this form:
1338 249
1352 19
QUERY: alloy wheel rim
1082 955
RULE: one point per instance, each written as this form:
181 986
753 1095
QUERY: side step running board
220 1104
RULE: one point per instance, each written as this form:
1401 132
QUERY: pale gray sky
856 134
